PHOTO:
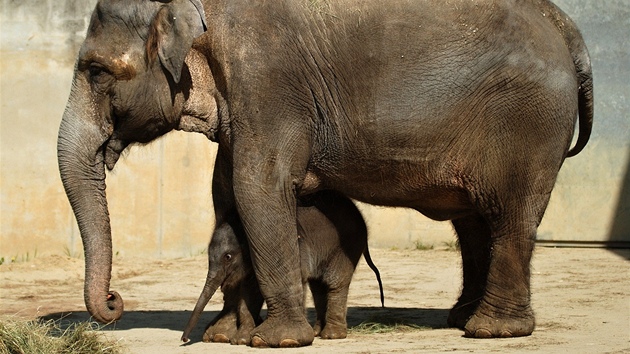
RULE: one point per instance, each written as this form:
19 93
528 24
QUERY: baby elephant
332 236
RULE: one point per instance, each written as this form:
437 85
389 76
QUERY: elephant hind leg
336 326
474 241
331 302
500 270
338 283
505 310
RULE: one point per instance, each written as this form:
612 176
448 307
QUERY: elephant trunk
210 287
82 137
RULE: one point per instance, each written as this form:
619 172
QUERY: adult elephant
463 110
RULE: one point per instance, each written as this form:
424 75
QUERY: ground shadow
417 317
619 236
172 320
176 320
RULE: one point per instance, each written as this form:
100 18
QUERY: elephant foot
461 313
483 326
217 334
216 338
242 337
334 332
317 328
283 333
241 340
221 329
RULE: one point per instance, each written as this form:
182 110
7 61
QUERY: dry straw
32 336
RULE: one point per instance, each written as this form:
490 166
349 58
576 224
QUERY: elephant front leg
248 312
246 324
266 203
223 327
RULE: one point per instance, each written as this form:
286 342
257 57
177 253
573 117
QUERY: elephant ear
172 33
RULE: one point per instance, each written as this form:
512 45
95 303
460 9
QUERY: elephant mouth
113 148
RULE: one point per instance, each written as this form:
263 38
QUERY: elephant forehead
117 35
133 15
118 25
119 63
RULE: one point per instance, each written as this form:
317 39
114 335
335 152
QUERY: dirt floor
581 298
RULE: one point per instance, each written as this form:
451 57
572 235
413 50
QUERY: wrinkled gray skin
462 110
331 236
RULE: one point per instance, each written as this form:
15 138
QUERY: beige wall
159 195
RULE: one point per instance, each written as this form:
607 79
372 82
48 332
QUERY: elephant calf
332 236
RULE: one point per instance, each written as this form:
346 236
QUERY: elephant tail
368 260
581 59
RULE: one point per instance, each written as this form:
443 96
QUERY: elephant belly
432 193
436 203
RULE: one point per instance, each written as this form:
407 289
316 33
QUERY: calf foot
221 332
500 326
216 338
282 332
334 332
243 336
241 339
317 329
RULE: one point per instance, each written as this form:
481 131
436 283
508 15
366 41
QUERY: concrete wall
159 194
591 201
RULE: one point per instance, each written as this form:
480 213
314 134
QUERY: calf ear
172 33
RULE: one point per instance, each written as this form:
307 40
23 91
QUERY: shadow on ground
620 230
176 320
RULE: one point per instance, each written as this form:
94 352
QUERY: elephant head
229 266
136 78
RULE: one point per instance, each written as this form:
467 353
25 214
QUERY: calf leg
320 298
335 326
338 282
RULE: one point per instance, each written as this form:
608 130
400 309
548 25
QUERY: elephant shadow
420 318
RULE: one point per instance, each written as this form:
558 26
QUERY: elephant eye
227 257
96 69
99 75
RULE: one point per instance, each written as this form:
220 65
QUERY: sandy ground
581 298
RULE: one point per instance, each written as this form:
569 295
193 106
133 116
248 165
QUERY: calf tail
368 260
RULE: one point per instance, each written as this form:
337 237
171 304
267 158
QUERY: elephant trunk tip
113 310
189 327
115 303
